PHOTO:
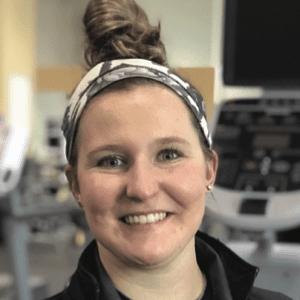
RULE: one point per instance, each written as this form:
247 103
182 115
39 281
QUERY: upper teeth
142 219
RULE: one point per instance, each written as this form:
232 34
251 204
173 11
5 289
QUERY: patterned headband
109 72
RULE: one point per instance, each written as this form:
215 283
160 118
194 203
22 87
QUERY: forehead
139 103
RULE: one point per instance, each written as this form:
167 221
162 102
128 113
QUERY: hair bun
120 29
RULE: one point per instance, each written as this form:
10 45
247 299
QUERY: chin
149 260
154 255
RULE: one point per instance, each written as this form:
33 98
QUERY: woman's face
142 175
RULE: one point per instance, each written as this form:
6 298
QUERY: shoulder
262 294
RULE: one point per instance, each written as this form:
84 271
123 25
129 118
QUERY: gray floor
49 263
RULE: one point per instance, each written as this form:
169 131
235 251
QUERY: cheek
188 190
98 195
188 186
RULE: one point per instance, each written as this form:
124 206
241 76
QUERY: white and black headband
106 73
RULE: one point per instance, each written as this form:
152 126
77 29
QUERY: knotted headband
106 73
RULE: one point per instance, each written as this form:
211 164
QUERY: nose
143 181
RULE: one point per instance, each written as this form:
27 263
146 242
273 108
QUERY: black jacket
230 277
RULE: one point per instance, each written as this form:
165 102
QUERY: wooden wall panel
203 80
58 79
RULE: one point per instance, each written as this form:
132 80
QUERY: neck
180 278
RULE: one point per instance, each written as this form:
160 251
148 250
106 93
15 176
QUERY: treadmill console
258 180
258 143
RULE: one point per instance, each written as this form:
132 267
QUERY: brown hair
120 29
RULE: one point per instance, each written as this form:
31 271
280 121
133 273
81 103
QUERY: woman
140 165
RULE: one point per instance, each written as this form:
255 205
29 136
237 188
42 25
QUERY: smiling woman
140 165
129 166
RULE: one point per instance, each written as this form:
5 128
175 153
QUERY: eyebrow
110 147
170 140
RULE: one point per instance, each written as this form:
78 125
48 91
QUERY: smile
143 219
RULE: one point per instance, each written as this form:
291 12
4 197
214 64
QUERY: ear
71 175
211 171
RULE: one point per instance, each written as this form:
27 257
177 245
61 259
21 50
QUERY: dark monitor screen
262 43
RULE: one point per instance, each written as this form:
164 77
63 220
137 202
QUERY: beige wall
17 54
59 32
186 29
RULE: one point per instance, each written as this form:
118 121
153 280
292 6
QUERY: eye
169 155
111 162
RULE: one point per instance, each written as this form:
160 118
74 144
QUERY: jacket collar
230 277
90 281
